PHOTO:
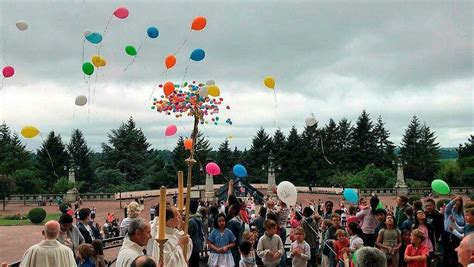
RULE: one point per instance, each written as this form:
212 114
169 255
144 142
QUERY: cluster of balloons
229 121
287 193
184 99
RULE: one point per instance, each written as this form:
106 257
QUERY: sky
333 59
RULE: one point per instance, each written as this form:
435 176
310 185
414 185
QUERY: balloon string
83 56
49 156
103 34
95 85
3 51
183 43
89 102
275 108
322 149
134 57
185 72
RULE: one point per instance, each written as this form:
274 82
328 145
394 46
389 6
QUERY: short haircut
193 206
245 247
262 212
85 250
135 225
246 235
409 212
419 234
417 205
98 247
149 262
370 257
215 223
380 211
307 212
327 222
169 213
353 210
299 229
430 200
272 216
335 215
328 202
404 199
469 211
340 231
269 224
65 218
84 213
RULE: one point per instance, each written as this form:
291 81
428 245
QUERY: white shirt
154 233
128 252
355 242
49 253
173 254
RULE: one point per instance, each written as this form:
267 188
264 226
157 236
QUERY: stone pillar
400 186
209 193
271 176
72 175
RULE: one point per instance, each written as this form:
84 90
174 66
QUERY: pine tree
128 151
224 160
363 142
312 156
81 155
13 154
293 155
52 158
328 150
466 161
385 148
278 147
258 156
429 152
343 145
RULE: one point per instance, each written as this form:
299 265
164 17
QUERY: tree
27 182
385 150
258 155
312 157
429 152
466 161
224 159
343 158
363 145
278 147
293 156
7 185
51 159
62 185
128 151
81 155
202 151
13 155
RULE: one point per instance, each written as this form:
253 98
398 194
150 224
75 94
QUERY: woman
369 222
453 215
426 229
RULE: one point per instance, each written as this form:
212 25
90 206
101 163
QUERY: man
86 227
370 257
49 252
143 261
466 251
195 233
435 219
173 249
69 234
328 205
400 211
139 231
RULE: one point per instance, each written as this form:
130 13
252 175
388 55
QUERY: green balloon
88 68
130 50
440 187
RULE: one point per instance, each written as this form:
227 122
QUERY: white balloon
311 121
81 100
203 92
211 82
287 193
21 25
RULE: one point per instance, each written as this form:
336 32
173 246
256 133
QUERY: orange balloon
199 23
170 61
188 144
168 88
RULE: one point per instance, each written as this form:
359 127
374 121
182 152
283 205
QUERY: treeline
356 154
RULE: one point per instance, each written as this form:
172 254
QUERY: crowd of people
238 232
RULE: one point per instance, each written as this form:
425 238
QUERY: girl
369 222
341 246
355 240
416 254
220 241
85 252
98 257
453 215
426 229
390 241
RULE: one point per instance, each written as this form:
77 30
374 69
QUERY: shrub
440 202
37 215
17 216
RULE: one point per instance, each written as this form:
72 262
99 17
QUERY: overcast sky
332 58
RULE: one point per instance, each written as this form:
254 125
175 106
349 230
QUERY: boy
300 250
247 258
270 247
341 245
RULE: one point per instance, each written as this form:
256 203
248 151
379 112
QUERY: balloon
171 130
269 82
87 33
94 37
98 61
130 50
29 132
88 68
21 25
310 121
214 90
170 61
152 32
168 88
350 194
198 54
8 71
213 169
81 100
188 144
211 82
204 91
239 170
199 23
440 187
121 12
380 205
287 193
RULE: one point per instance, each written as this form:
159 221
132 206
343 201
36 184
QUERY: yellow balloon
213 90
96 61
102 62
230 137
29 132
269 82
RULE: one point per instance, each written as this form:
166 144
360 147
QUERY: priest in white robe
138 234
49 252
173 249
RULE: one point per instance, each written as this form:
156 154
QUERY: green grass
49 216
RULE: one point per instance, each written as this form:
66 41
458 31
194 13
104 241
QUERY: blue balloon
350 195
94 37
198 54
239 170
152 32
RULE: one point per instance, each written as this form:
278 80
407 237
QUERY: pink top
369 222
426 241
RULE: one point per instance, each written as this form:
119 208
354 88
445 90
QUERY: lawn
49 216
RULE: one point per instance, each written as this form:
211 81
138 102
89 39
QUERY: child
325 224
355 240
220 241
247 256
98 257
85 252
341 245
406 234
416 253
269 247
389 241
299 249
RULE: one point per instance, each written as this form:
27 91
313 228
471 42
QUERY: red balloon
170 61
168 88
199 23
188 144
121 12
8 71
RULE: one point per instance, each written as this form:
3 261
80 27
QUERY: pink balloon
171 130
8 71
213 169
121 12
